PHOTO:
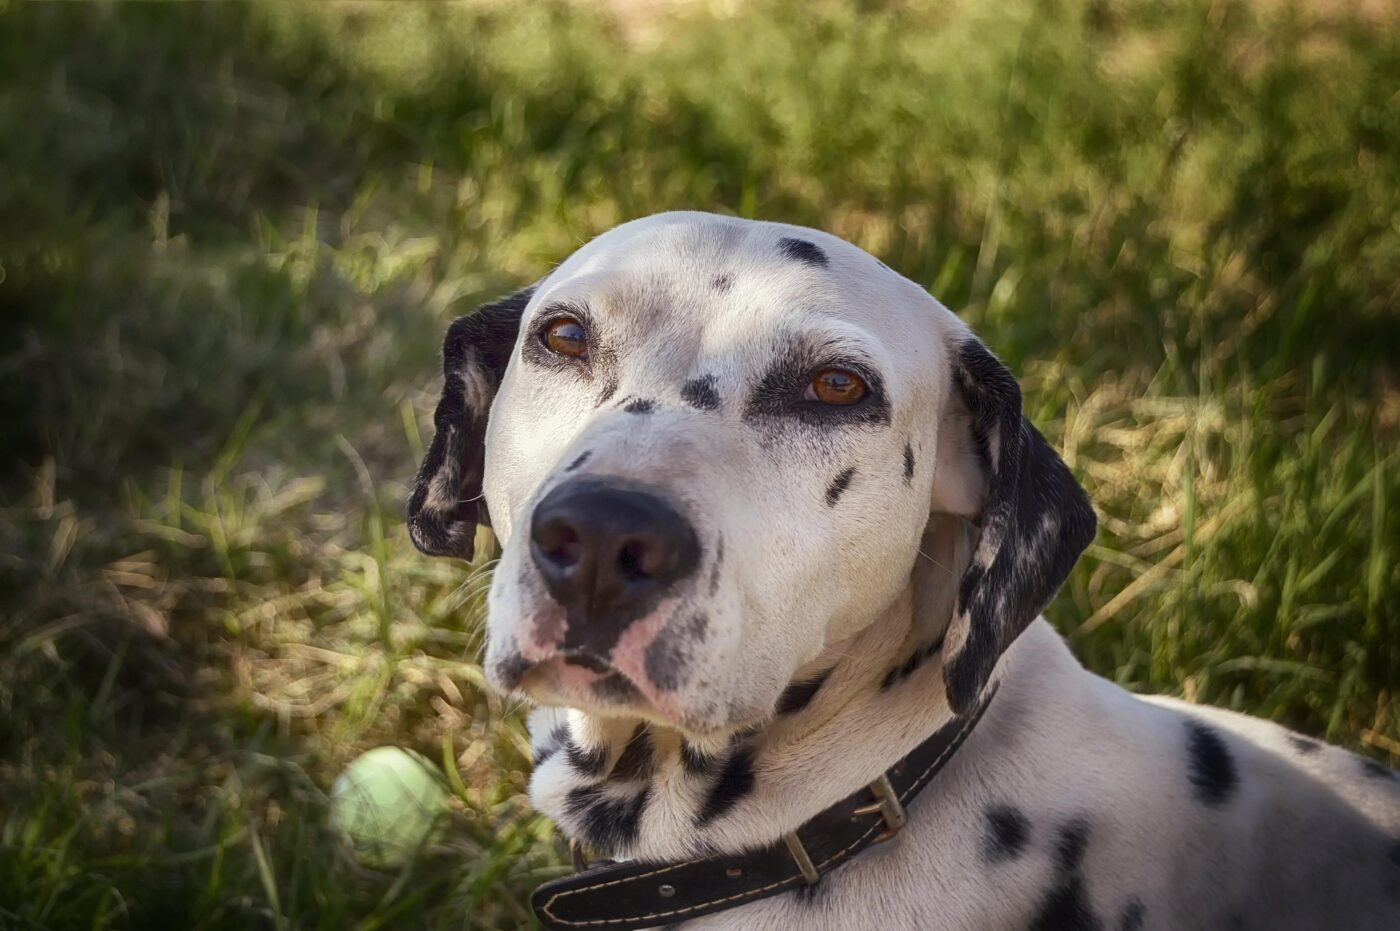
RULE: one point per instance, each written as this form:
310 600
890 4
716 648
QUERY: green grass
230 236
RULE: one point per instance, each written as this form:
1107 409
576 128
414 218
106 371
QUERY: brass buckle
887 804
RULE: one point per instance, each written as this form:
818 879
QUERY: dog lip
587 661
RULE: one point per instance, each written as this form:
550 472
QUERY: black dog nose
607 553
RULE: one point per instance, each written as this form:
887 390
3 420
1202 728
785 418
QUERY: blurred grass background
230 238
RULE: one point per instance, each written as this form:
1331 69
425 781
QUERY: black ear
997 470
446 503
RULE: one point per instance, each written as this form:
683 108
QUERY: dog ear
446 503
997 471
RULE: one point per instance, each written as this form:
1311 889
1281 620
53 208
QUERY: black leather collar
625 896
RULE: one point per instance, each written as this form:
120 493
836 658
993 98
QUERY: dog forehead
758 277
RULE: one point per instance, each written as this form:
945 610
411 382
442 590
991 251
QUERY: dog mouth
578 679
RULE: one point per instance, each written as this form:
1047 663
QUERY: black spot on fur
1066 908
799 695
908 463
838 486
1133 912
1212 767
669 654
551 744
582 458
639 406
912 662
1070 845
735 782
511 668
695 762
609 390
802 251
1304 745
700 393
1007 831
605 822
722 283
635 762
590 762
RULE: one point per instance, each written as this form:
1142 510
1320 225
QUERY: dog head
709 447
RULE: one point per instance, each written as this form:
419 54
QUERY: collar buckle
888 805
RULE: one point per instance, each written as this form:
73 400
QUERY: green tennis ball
387 801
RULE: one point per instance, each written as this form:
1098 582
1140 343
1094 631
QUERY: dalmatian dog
770 516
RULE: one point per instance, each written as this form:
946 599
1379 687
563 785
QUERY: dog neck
625 789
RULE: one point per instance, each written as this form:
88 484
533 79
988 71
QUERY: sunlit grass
231 235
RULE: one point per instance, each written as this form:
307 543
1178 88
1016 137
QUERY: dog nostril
560 544
632 561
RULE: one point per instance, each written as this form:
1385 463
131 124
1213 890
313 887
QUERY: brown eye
566 337
836 386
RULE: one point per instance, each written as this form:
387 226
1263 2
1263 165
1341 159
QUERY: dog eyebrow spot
1007 833
802 251
722 283
700 393
582 458
1212 767
908 463
639 406
838 487
734 782
799 695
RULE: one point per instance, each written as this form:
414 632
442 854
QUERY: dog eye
566 337
838 387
